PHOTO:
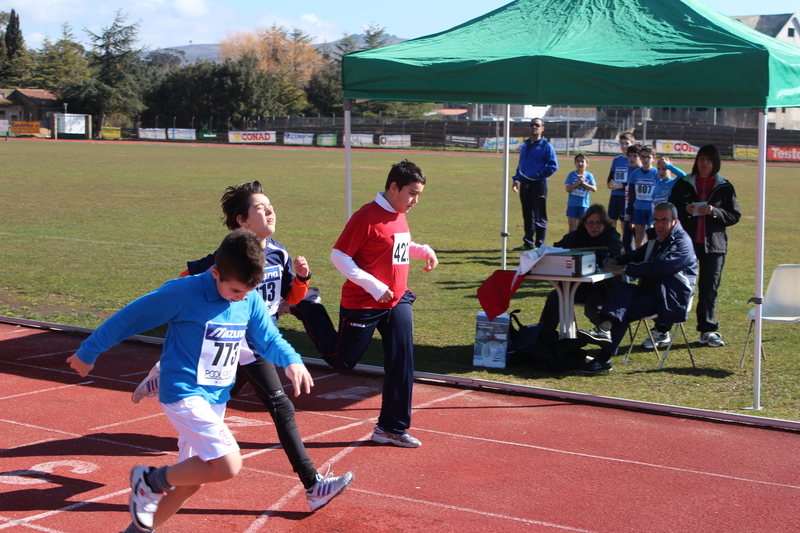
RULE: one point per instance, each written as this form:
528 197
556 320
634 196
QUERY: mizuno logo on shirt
225 333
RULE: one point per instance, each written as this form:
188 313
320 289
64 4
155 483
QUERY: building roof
40 97
767 24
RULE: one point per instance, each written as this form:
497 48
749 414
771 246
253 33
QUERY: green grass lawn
88 227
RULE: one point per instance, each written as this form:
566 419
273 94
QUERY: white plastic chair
781 303
671 338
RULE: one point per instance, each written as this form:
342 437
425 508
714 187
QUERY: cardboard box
574 264
491 341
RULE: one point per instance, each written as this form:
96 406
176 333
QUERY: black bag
541 348
520 338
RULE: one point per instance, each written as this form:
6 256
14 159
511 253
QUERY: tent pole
504 231
759 288
348 167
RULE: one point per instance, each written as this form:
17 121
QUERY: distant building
785 27
26 105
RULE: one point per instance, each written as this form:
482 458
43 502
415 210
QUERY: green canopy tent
642 53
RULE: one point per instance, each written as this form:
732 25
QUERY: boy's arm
298 282
348 268
423 251
675 170
590 183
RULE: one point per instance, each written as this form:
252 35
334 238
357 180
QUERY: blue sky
165 23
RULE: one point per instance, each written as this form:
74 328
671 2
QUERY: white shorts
201 429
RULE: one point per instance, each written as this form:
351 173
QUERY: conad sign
251 136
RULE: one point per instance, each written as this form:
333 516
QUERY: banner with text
251 136
461 140
302 139
208 134
362 139
745 151
181 134
783 153
152 133
25 128
675 148
71 124
395 141
4 126
498 143
112 133
327 139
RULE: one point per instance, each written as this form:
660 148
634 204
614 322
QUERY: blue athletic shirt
640 189
201 348
664 187
537 160
620 169
579 197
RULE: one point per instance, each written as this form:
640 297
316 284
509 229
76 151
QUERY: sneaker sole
712 344
335 495
384 440
131 507
596 340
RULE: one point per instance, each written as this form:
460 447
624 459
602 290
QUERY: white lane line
46 390
125 422
46 355
24 521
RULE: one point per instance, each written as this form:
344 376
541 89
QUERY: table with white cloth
565 288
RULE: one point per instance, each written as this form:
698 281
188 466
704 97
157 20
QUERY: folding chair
781 303
671 339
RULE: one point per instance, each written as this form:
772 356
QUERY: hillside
210 52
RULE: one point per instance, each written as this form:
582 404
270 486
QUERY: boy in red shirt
373 253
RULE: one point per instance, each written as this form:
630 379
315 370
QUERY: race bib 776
220 353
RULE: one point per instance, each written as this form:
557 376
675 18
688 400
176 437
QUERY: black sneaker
524 248
594 367
596 335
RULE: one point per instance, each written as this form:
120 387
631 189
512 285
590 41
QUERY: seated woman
595 230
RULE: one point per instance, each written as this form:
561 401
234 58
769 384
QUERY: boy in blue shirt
208 316
579 185
618 183
667 174
641 183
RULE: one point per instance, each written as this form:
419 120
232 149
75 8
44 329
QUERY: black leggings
263 376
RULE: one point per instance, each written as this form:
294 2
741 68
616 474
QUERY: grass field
87 227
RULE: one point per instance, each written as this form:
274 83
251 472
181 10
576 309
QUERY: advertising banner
303 139
745 151
152 133
207 134
251 136
3 126
362 139
675 148
327 139
498 143
25 128
71 124
395 141
461 140
783 153
181 134
112 133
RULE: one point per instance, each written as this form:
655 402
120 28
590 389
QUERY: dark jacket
726 210
669 267
580 238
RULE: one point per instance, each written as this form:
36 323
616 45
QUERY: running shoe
327 488
143 502
149 387
594 367
312 295
596 335
662 339
711 338
404 440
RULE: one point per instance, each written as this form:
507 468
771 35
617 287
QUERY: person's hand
79 366
611 185
515 186
705 210
616 270
300 378
430 262
664 160
301 266
387 296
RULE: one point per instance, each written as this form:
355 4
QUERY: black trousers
708 280
533 196
263 376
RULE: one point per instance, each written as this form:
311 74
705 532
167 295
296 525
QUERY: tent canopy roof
671 53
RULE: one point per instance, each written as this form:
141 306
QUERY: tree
17 64
61 64
374 37
115 84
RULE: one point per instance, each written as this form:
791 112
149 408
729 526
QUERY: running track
489 461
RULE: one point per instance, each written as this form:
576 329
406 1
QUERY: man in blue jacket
666 268
537 162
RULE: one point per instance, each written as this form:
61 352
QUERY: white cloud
192 8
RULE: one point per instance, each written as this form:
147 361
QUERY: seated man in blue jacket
666 268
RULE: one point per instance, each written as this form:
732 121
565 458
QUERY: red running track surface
489 462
